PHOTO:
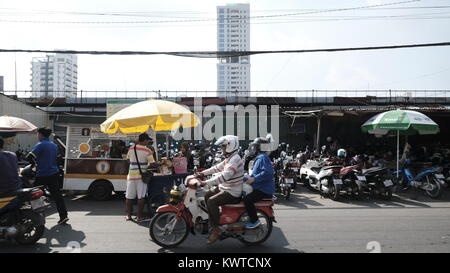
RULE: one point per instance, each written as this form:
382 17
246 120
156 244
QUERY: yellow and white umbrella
158 115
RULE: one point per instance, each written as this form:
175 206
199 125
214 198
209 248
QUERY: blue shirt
45 153
263 173
9 176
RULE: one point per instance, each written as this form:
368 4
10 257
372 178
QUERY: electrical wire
222 54
210 19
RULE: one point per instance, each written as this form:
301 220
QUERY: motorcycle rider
229 178
261 180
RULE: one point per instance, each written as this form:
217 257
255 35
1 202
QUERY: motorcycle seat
19 192
262 203
373 170
331 167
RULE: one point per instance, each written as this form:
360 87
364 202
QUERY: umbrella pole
167 145
155 144
398 144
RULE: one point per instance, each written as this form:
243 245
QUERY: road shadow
297 200
59 236
276 243
115 206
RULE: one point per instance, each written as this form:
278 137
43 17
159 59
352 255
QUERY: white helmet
229 143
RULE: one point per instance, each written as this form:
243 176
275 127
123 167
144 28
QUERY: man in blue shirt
44 154
261 180
9 175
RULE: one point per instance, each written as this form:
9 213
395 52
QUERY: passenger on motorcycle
9 176
228 178
261 180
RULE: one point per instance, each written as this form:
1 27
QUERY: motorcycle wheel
287 193
386 195
158 229
437 189
30 231
263 231
334 191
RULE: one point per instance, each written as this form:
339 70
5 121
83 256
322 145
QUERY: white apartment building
233 34
54 76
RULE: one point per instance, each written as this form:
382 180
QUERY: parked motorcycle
375 181
431 180
286 180
347 176
21 215
328 181
197 155
310 170
187 212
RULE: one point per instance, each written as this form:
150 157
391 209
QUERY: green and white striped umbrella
403 122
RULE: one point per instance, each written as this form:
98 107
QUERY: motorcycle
187 212
286 181
328 181
197 157
349 180
21 215
431 180
375 181
311 169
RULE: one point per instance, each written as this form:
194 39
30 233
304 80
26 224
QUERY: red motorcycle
349 179
187 212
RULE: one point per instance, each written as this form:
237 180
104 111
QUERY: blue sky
422 68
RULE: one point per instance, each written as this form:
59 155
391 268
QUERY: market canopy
158 115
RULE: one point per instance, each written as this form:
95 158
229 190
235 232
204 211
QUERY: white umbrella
12 125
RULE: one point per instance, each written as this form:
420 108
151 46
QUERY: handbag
148 175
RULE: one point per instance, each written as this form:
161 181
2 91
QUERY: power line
210 19
222 54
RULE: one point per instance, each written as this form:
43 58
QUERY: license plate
289 180
439 176
388 183
295 169
38 203
337 181
361 178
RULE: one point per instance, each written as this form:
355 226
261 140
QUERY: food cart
89 163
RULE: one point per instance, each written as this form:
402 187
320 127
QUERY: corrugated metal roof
375 108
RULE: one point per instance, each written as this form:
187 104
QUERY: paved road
306 223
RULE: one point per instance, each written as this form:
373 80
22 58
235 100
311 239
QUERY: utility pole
15 74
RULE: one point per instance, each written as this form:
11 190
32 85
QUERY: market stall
156 116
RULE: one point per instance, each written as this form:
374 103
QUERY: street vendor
141 160
183 161
118 149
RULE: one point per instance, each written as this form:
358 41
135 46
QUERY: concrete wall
39 118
